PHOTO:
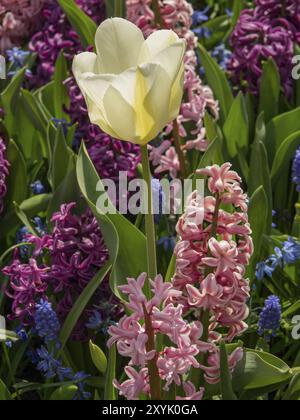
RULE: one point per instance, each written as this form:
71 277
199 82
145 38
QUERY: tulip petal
85 62
118 43
176 94
160 40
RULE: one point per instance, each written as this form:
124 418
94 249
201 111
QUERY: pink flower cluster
211 256
177 15
16 19
205 302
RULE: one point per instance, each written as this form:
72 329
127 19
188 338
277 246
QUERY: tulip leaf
126 243
284 155
60 93
270 87
84 25
4 392
226 382
236 127
98 357
218 82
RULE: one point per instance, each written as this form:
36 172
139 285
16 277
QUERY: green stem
158 18
7 360
179 151
149 219
118 8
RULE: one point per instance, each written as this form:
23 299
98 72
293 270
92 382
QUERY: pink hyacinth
211 256
177 15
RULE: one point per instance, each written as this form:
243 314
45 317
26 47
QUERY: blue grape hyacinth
46 321
270 318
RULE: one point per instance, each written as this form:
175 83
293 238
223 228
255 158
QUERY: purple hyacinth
75 252
270 318
4 165
257 37
56 34
46 322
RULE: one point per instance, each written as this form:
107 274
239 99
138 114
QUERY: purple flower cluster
4 165
267 31
56 34
75 252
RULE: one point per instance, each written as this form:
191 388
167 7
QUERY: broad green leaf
293 391
126 244
110 391
236 127
84 25
4 392
270 87
98 357
218 82
81 304
61 97
17 179
284 156
64 393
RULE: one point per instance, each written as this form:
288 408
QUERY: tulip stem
118 8
149 218
158 18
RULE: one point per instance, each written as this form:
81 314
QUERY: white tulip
133 87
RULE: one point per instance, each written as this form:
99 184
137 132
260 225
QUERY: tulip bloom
133 88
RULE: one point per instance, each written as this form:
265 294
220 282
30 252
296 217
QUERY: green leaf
236 127
17 179
270 87
81 304
226 383
208 156
258 216
293 391
126 244
291 310
217 80
284 155
61 97
98 357
64 393
4 392
110 391
84 25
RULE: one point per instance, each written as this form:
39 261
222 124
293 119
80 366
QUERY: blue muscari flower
263 269
50 367
95 321
200 16
221 55
291 251
21 237
202 32
270 317
40 226
79 378
168 243
274 214
37 188
296 170
229 12
63 122
8 344
21 333
17 57
46 321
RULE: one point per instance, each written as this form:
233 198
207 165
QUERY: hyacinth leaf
279 129
110 391
126 243
293 391
81 304
64 393
8 100
4 392
84 25
293 309
60 97
23 218
260 373
17 179
208 156
258 216
218 82
98 357
226 382
270 90
236 127
284 156
218 28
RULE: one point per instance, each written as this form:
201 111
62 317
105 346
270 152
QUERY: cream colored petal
176 94
120 115
118 43
160 40
98 118
84 63
171 58
95 86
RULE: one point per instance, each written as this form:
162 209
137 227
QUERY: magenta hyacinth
4 168
268 31
75 252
